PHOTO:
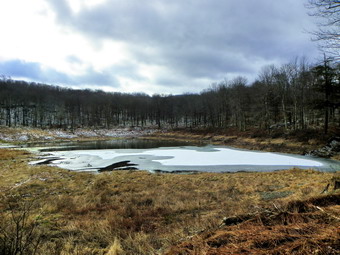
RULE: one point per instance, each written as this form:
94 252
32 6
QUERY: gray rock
332 148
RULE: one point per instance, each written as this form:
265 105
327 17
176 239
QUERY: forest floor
61 212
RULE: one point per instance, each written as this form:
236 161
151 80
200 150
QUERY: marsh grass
136 212
309 226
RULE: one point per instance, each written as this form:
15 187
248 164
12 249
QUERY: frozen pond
178 158
109 144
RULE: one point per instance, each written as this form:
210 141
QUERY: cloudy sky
151 46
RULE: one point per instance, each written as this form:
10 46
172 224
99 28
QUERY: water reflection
113 144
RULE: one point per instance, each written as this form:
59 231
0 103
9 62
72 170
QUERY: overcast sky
151 46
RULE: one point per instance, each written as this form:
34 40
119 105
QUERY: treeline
291 96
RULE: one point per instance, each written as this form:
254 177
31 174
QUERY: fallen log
126 165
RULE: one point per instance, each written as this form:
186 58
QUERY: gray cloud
127 70
73 59
18 68
198 38
34 71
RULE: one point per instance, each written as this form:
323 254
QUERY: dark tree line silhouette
291 96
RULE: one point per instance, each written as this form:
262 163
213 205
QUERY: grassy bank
130 212
25 135
296 142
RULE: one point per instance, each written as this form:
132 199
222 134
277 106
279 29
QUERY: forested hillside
291 96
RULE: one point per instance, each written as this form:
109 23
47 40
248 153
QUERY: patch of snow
62 134
124 132
23 138
6 138
86 133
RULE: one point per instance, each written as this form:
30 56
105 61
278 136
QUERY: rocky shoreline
18 136
331 149
27 135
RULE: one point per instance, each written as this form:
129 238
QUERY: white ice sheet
182 157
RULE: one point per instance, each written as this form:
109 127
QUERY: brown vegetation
131 212
296 142
300 227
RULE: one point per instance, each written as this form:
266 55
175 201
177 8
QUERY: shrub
20 230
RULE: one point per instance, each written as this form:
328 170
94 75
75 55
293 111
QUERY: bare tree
328 12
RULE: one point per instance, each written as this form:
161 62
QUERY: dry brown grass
295 142
299 227
136 212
